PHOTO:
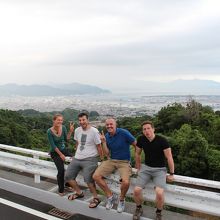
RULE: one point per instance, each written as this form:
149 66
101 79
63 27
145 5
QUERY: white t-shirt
87 141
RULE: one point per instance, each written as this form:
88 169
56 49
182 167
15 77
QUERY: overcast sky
112 44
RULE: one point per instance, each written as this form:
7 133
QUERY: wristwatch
171 174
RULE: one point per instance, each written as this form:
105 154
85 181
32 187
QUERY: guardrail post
36 176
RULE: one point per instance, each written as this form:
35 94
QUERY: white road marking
28 210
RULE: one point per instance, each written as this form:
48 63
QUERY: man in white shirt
88 151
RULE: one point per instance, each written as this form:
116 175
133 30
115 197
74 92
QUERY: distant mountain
82 88
178 87
196 86
44 90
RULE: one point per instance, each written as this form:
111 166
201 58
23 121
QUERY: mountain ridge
178 87
46 90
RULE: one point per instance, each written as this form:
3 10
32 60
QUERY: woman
57 136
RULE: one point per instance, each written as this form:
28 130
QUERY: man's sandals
75 196
94 203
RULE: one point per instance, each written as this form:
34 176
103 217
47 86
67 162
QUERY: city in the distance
148 99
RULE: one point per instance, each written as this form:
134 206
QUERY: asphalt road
14 213
10 213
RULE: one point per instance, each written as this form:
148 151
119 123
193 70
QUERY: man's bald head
110 124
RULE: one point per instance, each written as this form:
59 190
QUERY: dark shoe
94 203
158 216
75 196
138 213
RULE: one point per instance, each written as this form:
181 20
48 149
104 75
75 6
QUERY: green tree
170 117
20 134
70 114
193 109
192 152
38 140
133 124
214 133
214 164
6 136
93 115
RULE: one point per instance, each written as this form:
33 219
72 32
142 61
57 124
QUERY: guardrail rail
206 199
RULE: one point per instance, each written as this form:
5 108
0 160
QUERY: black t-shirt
154 155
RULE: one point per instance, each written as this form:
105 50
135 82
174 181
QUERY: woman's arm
54 147
62 156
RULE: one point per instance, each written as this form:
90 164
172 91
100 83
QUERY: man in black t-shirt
156 150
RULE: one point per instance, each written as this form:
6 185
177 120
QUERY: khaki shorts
109 166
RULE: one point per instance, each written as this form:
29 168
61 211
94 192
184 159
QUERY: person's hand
71 126
101 159
170 178
137 165
62 157
102 137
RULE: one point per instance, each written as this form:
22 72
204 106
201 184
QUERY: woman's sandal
75 196
94 203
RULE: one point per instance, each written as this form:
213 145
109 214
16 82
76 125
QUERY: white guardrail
197 194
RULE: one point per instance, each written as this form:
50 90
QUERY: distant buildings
105 105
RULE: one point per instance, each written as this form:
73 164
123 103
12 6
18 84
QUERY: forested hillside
27 128
193 132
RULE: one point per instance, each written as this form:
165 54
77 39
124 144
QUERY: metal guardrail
186 197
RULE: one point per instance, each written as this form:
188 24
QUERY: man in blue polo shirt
116 144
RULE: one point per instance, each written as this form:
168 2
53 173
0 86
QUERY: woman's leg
60 175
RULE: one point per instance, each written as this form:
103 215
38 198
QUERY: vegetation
193 132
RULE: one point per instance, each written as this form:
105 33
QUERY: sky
113 44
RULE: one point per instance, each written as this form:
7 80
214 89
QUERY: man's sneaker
138 213
121 206
110 202
158 216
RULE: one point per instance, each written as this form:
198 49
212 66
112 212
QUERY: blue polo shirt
119 144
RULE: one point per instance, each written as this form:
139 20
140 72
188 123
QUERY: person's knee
125 182
96 176
137 191
159 193
160 197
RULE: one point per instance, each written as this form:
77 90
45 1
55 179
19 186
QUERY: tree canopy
193 132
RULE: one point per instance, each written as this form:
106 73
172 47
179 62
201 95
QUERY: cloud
140 39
